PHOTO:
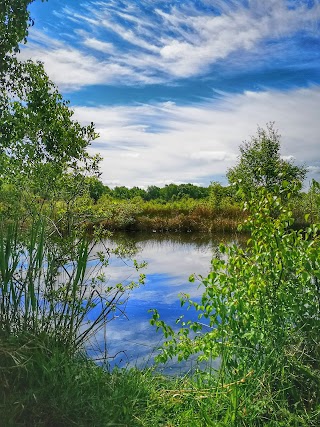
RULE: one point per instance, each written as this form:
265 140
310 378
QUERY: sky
174 87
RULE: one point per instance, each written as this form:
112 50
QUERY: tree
36 125
153 192
40 142
96 187
219 195
260 163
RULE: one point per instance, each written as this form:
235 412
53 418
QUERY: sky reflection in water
130 339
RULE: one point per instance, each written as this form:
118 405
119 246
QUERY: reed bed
180 216
54 288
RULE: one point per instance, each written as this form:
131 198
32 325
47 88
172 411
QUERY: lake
129 339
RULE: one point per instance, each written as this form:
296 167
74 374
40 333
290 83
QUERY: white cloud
157 46
98 45
130 155
288 158
198 40
197 143
71 68
211 156
314 170
67 66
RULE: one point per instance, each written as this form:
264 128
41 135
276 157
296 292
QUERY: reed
49 288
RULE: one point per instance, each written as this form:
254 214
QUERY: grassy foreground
43 386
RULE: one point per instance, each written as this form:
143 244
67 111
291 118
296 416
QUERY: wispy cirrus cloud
151 42
72 68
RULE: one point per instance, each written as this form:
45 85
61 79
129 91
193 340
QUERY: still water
129 339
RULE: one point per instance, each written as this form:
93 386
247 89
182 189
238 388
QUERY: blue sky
175 86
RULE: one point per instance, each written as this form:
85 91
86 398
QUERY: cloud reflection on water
131 340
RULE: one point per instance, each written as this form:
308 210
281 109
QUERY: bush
261 308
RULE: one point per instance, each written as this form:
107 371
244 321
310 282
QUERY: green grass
44 386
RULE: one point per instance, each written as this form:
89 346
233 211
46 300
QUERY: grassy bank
185 215
43 386
210 214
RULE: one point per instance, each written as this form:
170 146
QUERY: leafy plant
14 23
260 314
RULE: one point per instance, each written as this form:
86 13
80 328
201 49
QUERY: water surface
129 339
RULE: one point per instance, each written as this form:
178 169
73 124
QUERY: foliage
95 187
43 150
306 206
260 163
14 23
312 201
116 214
42 146
168 193
260 314
181 215
221 197
37 132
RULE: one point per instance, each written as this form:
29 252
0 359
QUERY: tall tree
260 163
40 142
36 125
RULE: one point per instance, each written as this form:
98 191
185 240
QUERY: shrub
261 311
